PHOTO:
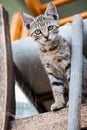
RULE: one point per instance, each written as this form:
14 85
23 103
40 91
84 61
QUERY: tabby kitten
55 52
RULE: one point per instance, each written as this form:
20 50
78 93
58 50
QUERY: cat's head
43 28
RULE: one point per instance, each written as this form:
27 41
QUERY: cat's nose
46 37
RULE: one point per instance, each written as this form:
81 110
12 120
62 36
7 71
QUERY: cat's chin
46 42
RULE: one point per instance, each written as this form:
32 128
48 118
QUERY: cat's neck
50 46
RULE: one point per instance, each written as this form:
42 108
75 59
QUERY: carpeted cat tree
74 114
26 58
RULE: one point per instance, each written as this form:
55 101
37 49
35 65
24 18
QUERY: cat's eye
38 31
50 27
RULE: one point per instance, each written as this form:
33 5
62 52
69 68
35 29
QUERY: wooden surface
36 7
69 19
6 72
48 121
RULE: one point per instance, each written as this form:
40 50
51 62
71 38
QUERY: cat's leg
67 76
57 85
57 89
67 72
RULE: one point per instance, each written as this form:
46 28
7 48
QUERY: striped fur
55 52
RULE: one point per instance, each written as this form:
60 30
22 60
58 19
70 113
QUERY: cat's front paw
57 106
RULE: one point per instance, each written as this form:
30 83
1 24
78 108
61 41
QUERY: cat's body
55 52
56 61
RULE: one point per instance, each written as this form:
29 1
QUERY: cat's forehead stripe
41 20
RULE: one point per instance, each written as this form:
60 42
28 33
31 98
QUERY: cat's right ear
27 20
52 11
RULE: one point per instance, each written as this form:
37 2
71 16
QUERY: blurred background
65 10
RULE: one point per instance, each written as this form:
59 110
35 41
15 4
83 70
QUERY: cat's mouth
47 40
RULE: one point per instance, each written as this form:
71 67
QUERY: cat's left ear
27 20
52 11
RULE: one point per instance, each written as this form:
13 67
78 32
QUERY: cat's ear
52 11
27 20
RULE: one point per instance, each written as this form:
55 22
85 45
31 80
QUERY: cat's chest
59 57
50 57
